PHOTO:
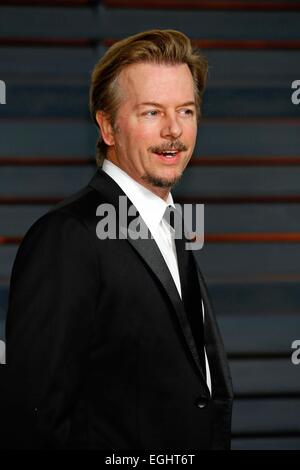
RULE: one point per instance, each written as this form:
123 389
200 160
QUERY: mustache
166 147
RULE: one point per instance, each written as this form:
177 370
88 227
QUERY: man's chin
160 182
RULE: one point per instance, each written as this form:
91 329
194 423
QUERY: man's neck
163 193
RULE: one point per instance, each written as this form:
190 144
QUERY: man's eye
153 112
187 112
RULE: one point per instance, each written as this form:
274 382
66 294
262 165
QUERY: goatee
161 182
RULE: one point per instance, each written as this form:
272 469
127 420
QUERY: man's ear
106 128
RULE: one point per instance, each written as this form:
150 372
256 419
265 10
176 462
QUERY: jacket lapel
148 250
220 373
151 254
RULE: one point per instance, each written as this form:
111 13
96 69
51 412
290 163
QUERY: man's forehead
144 78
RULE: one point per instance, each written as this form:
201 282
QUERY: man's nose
171 127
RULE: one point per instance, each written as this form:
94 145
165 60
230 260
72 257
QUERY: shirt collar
150 206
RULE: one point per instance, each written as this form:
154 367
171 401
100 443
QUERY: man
106 333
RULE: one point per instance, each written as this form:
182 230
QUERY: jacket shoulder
82 205
76 212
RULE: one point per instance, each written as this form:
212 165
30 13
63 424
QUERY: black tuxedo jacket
99 349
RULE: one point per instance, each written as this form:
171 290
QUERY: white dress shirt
152 209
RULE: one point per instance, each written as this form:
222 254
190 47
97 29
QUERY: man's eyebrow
149 103
188 103
157 105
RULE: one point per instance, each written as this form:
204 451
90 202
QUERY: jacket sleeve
53 297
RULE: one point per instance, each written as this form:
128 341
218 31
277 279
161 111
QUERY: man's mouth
168 153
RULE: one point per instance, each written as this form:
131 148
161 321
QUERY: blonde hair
157 46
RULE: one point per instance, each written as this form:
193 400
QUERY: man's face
156 124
